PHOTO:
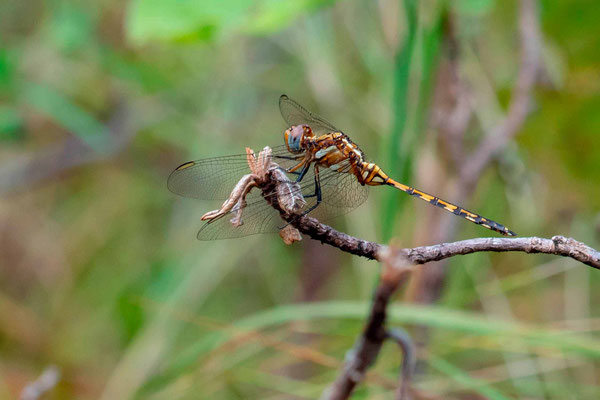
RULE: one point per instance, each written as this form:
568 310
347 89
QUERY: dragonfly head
295 136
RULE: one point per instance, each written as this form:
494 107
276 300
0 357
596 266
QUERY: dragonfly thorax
295 137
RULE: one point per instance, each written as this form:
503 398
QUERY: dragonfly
328 168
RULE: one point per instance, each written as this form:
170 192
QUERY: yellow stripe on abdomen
454 209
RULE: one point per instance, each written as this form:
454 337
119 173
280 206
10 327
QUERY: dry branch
557 245
364 353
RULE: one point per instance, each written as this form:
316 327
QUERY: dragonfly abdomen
371 174
453 208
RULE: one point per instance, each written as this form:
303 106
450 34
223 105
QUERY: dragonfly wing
214 178
343 189
294 114
208 179
341 192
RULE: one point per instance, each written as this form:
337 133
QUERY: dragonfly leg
317 192
295 167
293 170
289 172
304 171
289 157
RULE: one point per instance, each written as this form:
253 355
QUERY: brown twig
404 341
557 245
326 234
366 349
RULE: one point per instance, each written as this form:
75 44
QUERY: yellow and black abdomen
373 175
454 209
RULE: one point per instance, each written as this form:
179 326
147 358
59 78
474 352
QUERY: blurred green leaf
474 8
7 69
129 311
188 20
128 68
150 20
415 62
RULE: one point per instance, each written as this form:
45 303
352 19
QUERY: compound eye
294 138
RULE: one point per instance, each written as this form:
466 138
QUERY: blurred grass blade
8 61
403 141
392 200
434 317
11 124
465 380
78 121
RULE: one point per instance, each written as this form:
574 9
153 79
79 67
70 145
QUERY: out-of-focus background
492 104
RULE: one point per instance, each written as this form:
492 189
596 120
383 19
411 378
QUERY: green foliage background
100 271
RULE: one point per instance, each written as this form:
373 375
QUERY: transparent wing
340 190
214 178
294 114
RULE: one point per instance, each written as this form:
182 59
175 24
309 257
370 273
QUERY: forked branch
397 264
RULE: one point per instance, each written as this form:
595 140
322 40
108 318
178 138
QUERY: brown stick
366 349
326 234
396 268
404 341
397 263
558 245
